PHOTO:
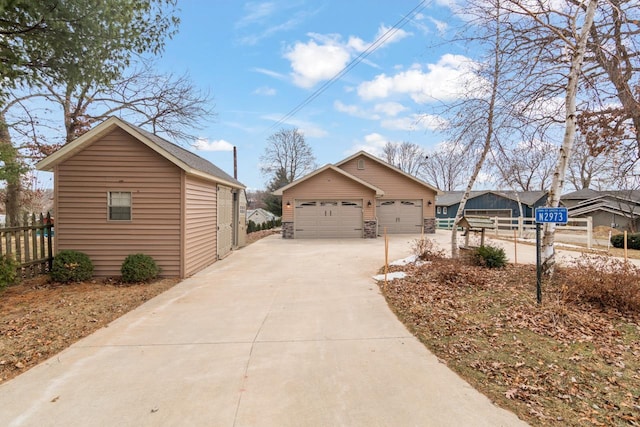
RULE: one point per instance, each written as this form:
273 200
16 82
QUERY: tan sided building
360 196
120 190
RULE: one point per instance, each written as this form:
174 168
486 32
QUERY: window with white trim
119 205
444 210
360 164
438 210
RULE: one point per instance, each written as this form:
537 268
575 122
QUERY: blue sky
261 59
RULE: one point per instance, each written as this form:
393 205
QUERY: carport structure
359 197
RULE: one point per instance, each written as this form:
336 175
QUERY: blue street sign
557 215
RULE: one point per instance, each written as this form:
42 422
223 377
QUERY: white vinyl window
438 210
361 164
444 210
119 203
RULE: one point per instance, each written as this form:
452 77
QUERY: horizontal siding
395 185
200 225
118 162
328 184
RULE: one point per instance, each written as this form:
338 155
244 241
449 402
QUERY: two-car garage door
399 216
328 219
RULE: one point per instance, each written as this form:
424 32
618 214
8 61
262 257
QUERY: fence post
520 226
589 231
49 233
496 224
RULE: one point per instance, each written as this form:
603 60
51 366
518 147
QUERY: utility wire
369 50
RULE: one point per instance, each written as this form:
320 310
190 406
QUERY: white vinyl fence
525 228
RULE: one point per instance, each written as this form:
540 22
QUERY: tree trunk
488 137
11 174
553 200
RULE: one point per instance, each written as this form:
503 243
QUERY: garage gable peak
379 192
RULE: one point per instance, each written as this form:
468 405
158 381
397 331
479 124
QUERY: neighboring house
617 209
360 196
260 216
120 190
491 203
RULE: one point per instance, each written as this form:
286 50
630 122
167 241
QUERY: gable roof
390 166
587 193
529 198
280 190
184 159
606 203
263 212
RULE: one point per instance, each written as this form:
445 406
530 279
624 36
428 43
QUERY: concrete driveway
281 333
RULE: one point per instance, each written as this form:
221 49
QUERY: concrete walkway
281 333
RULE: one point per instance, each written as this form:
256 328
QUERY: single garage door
399 216
225 221
317 219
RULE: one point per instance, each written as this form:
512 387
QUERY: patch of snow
391 276
408 260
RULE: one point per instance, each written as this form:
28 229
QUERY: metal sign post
546 215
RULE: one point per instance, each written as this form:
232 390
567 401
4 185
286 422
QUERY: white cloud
256 12
325 55
306 128
203 144
265 91
355 111
441 26
414 122
373 143
390 35
391 109
445 80
270 73
312 62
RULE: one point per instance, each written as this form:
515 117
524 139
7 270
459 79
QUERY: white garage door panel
328 219
399 216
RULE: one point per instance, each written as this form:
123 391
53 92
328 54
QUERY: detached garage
358 197
120 190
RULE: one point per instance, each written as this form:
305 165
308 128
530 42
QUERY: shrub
139 268
490 256
426 250
71 266
601 281
8 270
633 241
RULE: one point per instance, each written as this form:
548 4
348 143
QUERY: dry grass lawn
556 364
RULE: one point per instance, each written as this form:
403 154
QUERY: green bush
490 256
71 266
138 268
8 270
633 241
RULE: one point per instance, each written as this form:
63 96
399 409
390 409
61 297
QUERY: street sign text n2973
555 215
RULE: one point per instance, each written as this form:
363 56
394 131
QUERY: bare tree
592 171
524 166
481 116
575 42
444 169
612 68
165 104
406 156
287 152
